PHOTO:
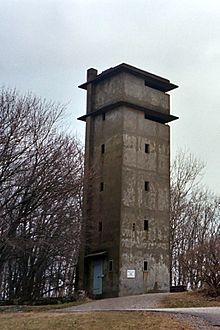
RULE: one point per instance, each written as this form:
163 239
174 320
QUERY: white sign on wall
130 273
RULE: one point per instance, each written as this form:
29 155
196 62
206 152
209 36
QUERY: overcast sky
47 46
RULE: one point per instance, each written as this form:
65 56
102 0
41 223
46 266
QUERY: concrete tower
125 237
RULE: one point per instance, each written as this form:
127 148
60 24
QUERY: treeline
195 227
41 173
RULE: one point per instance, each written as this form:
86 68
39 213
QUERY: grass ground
41 308
189 299
91 321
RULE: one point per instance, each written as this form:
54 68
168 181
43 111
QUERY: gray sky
47 45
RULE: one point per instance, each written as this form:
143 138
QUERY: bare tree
41 173
194 223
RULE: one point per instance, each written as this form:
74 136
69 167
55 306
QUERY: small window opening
146 225
145 116
103 148
147 148
145 265
110 266
146 185
133 227
101 186
100 225
103 116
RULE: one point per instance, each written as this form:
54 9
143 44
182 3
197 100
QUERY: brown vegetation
91 321
189 299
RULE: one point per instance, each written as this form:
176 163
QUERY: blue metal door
97 276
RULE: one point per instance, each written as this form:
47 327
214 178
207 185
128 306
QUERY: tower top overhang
149 114
151 80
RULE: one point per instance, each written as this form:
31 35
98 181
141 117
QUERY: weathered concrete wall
129 88
109 91
136 92
139 205
106 205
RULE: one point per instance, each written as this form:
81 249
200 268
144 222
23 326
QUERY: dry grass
41 308
189 299
91 321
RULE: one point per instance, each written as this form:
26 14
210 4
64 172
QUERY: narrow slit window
101 186
146 185
110 266
133 227
100 226
103 116
103 148
147 148
146 225
145 266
